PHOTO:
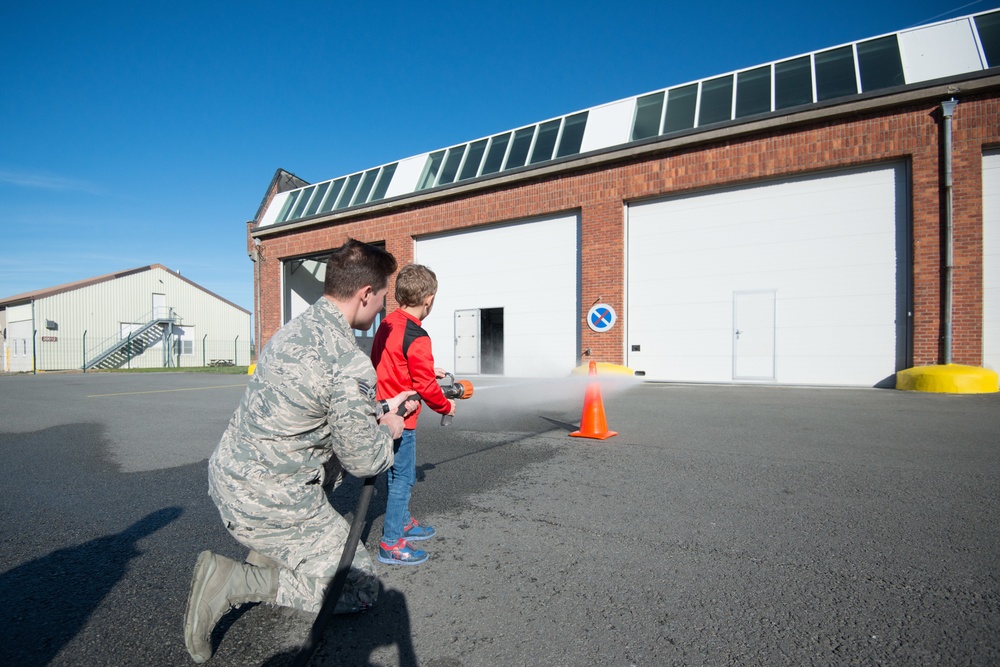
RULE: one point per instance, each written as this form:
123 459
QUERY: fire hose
455 390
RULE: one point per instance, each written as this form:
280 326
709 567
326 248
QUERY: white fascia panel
271 214
936 51
19 313
404 181
608 125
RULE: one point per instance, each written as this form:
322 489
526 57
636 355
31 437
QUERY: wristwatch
384 404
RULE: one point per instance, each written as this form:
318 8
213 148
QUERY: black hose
339 579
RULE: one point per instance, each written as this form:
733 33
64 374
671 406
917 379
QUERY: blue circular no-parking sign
601 317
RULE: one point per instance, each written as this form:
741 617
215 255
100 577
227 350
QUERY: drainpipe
255 257
947 109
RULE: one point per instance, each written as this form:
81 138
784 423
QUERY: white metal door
467 341
159 306
753 335
19 336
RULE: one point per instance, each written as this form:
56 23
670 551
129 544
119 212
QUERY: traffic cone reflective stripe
593 423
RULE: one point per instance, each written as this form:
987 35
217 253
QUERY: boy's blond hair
415 283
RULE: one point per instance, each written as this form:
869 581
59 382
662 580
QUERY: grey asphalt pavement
724 525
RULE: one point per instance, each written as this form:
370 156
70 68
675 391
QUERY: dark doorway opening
491 337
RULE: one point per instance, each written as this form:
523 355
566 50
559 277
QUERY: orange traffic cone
593 423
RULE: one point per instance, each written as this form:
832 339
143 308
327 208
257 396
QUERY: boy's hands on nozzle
454 404
400 406
439 372
409 399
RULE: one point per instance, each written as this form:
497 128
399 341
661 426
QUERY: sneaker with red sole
400 553
417 531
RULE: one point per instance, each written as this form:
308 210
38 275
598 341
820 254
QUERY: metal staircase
118 351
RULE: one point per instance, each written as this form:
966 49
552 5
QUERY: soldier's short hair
355 265
415 283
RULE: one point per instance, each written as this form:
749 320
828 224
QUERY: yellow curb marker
604 368
948 379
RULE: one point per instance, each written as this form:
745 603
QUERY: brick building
806 221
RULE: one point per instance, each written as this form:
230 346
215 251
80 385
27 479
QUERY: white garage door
991 260
793 282
522 278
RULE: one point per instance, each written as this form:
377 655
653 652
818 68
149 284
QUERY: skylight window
880 64
681 104
648 112
365 189
317 198
548 133
348 194
519 148
451 165
496 154
572 135
753 92
300 205
793 83
331 196
472 161
716 101
431 171
988 26
835 75
383 181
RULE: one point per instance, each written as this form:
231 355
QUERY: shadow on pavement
48 600
351 639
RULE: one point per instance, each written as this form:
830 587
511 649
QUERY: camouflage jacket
308 413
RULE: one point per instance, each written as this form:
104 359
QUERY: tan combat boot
219 584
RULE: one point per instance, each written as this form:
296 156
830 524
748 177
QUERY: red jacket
401 354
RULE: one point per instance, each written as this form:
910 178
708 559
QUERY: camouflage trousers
315 545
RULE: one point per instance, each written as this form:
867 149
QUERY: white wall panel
273 209
404 180
530 270
944 49
608 125
991 260
827 245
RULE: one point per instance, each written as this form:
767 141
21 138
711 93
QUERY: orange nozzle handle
466 388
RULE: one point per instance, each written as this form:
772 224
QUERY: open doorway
479 341
491 323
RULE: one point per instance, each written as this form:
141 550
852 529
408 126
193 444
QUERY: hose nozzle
455 390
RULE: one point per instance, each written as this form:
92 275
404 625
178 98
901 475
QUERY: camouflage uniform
308 415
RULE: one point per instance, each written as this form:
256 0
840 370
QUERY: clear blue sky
134 133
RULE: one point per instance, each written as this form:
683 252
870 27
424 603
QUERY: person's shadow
48 600
350 639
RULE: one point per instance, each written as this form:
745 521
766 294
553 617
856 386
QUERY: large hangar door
831 249
991 260
529 270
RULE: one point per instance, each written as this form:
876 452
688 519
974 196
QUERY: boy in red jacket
401 354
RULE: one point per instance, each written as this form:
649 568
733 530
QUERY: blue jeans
400 477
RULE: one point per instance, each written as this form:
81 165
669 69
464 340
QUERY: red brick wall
600 194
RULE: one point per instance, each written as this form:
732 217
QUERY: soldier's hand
395 424
409 398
